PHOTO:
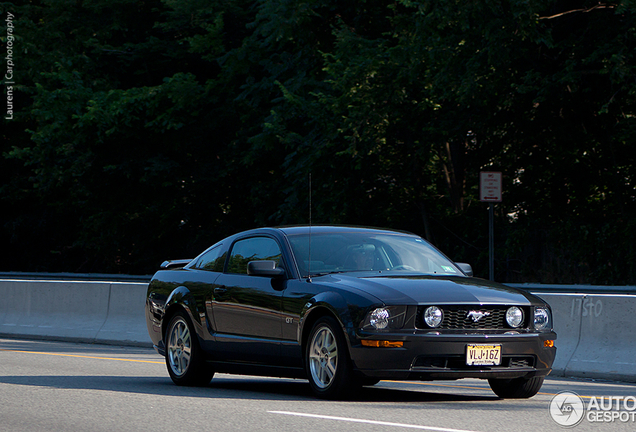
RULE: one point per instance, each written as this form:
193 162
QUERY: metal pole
491 240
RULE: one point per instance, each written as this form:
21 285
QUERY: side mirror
466 268
265 268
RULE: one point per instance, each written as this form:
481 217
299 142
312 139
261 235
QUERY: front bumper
442 356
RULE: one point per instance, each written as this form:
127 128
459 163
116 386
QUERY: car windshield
349 252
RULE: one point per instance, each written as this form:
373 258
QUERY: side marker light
382 344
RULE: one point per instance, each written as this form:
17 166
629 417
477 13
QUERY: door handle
220 290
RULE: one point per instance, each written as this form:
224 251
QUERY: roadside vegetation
147 130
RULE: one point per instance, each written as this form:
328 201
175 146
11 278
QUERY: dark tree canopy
148 130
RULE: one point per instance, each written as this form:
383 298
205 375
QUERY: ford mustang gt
344 307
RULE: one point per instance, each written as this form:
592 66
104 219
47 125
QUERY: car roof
337 229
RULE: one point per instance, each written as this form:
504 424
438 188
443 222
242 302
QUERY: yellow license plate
483 355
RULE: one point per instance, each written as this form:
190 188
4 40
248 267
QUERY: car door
247 308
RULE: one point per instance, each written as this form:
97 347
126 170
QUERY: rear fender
181 298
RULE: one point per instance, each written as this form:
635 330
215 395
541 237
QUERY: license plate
483 355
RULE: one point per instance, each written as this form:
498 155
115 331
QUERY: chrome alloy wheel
323 357
179 347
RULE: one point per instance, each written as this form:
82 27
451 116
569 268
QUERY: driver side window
252 249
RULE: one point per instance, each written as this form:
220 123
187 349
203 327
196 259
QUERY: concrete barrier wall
83 311
125 320
595 335
595 330
606 346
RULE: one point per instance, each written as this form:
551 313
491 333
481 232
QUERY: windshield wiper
325 273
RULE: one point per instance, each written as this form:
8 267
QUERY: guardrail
595 325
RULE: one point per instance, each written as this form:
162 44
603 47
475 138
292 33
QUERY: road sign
490 186
490 192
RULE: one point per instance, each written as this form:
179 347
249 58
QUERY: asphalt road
55 386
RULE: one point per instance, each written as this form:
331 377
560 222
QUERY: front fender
349 314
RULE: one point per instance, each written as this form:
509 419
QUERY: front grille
458 318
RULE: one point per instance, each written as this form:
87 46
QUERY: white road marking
375 422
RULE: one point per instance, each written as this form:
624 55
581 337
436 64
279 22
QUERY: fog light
548 344
514 317
433 316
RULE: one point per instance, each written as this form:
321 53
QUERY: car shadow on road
229 388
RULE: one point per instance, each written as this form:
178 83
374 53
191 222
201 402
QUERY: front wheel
184 357
518 388
327 360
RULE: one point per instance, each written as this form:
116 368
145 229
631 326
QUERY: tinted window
211 260
347 252
252 249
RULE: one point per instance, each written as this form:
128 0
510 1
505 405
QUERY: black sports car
344 307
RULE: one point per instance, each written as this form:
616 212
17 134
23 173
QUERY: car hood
422 289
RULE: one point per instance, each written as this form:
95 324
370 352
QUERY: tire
184 358
518 388
327 360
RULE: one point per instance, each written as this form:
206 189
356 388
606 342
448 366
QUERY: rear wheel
327 360
184 358
518 388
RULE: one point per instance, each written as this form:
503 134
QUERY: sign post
490 192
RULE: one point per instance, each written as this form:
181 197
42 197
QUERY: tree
212 116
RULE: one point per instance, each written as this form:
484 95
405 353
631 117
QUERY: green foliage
149 130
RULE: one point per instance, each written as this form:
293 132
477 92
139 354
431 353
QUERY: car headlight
379 318
541 318
388 317
514 317
433 316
